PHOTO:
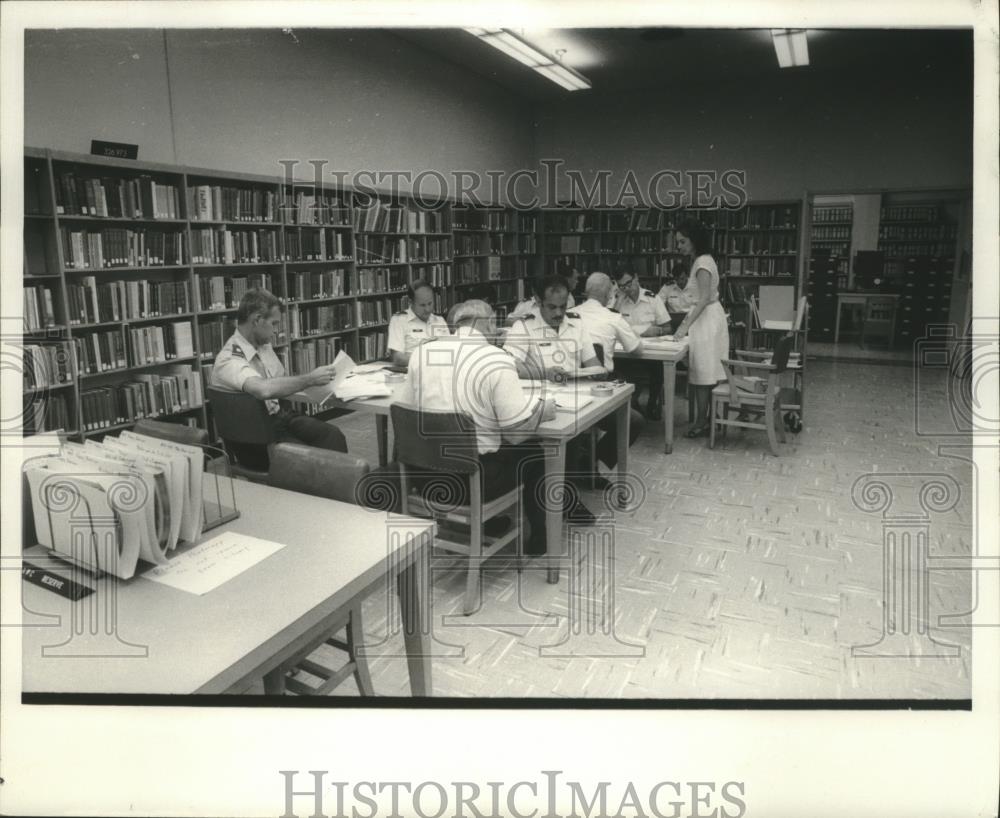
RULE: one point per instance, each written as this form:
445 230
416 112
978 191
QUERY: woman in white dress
705 323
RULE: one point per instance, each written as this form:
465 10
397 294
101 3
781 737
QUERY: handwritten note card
212 563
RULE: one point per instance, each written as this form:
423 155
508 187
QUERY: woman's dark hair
698 234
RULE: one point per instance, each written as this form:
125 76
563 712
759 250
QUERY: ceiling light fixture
514 45
791 46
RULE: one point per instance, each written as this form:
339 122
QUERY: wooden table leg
555 465
413 599
669 373
382 435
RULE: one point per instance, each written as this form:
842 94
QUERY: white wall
243 99
790 132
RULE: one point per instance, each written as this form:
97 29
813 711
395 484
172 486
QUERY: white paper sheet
210 564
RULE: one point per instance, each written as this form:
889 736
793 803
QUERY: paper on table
210 564
343 365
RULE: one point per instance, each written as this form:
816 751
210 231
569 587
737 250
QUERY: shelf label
116 150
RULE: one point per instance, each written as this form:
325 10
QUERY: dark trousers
291 427
641 373
607 446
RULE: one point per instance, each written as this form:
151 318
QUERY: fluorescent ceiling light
791 46
513 45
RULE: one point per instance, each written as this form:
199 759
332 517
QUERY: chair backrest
173 432
439 441
240 417
320 472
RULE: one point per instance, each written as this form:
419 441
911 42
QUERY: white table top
205 644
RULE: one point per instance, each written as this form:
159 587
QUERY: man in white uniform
554 345
248 363
415 325
605 325
648 316
466 373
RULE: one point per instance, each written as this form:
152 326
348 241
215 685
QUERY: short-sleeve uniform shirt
239 360
606 326
464 372
407 332
644 312
568 346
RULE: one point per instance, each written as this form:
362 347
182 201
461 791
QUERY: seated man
466 373
648 316
529 306
556 345
414 325
248 363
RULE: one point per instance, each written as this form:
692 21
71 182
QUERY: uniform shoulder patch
238 352
401 312
647 292
612 309
528 316
572 314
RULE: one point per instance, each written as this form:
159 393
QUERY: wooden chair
174 432
431 443
762 347
879 319
334 475
753 390
243 424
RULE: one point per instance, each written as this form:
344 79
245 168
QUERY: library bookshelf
133 272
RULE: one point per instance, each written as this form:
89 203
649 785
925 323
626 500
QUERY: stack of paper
107 505
350 382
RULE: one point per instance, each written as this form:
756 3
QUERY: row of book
307 355
112 350
108 197
312 208
177 388
218 203
318 284
91 303
752 266
374 311
899 249
381 250
770 243
213 334
225 292
485 269
430 249
381 279
909 213
162 482
121 247
497 220
437 275
224 246
917 232
317 245
838 213
372 345
380 217
46 413
39 310
759 217
304 321
835 233
527 244
45 365
481 244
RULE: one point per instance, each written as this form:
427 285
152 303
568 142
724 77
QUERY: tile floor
740 575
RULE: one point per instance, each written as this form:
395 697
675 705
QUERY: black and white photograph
613 392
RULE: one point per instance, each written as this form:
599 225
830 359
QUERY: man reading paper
248 363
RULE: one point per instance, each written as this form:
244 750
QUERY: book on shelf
39 311
121 247
48 414
221 245
45 365
92 303
372 346
218 203
225 292
316 208
105 197
308 284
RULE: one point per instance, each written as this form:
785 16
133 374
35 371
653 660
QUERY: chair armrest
753 354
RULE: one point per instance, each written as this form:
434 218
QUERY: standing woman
705 322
